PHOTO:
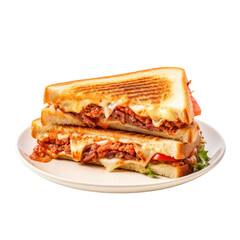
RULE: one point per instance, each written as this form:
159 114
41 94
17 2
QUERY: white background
44 42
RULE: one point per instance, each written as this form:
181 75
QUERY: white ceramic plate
96 178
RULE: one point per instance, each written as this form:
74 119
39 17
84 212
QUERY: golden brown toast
146 146
159 93
169 147
161 169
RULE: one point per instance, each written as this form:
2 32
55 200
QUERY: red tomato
162 157
196 107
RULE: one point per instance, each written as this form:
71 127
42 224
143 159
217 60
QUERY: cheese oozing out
77 146
154 112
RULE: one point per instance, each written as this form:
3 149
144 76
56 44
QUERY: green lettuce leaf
149 173
203 159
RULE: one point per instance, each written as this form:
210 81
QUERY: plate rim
117 188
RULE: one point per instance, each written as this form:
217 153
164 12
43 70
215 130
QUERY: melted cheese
62 136
108 109
157 123
155 111
144 152
110 164
77 146
113 163
103 142
77 106
73 105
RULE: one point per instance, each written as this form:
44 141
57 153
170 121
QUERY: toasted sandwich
155 102
115 149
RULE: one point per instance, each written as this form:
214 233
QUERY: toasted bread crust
171 171
173 148
116 75
152 90
56 116
162 169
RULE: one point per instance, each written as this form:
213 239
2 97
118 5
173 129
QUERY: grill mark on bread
124 84
117 87
63 93
132 87
135 91
150 87
150 93
151 98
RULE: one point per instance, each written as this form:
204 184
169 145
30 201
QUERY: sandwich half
155 101
115 149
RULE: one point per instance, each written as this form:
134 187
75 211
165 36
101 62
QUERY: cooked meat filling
110 150
92 114
52 148
49 148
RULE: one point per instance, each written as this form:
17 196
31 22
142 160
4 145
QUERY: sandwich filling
94 116
105 152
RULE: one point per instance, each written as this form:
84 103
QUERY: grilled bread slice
159 93
77 139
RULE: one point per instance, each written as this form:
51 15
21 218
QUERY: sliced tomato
196 107
162 157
